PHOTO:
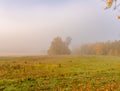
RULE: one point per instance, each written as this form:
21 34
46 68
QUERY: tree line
99 48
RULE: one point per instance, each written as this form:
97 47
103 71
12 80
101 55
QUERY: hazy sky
29 26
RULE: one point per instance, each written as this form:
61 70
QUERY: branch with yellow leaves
109 4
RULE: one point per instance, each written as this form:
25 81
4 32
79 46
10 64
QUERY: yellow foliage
109 3
118 17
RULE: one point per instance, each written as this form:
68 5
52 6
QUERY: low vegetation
60 73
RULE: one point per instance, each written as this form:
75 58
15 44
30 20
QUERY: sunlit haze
27 27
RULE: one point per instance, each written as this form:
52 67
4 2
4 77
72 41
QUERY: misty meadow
59 45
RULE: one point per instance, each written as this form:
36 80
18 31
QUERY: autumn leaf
118 17
109 3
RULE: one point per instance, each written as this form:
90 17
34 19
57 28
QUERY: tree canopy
60 47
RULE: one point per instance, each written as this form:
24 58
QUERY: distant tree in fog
68 41
59 47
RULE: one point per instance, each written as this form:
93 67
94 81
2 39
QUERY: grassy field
60 73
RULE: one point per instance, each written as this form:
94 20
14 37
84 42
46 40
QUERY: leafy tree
59 47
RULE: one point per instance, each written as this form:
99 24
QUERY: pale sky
29 26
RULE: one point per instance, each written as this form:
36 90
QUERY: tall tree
58 47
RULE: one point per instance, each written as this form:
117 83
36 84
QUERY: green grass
60 73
